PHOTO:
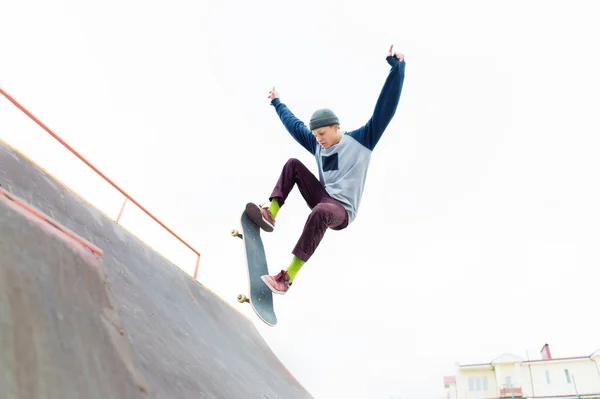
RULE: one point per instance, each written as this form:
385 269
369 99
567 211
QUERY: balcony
511 392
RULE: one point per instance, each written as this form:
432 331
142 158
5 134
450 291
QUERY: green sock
295 267
274 208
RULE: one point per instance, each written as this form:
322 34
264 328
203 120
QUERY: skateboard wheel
236 233
242 298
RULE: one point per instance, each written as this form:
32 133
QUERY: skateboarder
342 160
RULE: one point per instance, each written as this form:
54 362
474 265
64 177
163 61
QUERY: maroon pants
326 212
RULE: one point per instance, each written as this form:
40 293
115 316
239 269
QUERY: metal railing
109 181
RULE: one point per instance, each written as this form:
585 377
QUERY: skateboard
260 297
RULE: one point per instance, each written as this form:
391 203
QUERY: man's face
327 136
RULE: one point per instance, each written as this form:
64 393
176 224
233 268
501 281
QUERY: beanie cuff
317 123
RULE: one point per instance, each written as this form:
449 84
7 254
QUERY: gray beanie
323 117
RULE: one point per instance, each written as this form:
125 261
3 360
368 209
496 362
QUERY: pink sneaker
279 284
261 216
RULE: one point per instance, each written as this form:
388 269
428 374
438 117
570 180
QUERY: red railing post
121 211
197 266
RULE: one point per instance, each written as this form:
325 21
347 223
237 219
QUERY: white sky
478 230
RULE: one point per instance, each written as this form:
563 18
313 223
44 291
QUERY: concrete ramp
122 322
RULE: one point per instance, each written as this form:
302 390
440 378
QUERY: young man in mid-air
342 160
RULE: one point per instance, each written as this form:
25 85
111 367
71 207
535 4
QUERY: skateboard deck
260 296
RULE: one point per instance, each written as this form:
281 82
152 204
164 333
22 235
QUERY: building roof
509 358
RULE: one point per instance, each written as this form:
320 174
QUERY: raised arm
385 108
294 126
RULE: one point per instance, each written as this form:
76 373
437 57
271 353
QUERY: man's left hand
396 54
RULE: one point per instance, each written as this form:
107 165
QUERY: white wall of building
564 377
548 377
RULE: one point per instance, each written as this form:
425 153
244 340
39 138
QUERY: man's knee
332 215
296 165
293 162
322 212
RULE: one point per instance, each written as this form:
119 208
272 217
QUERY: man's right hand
273 94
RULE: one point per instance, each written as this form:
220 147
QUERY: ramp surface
127 324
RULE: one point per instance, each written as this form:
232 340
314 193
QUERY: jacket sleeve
295 126
385 108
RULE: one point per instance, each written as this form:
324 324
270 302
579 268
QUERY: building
510 376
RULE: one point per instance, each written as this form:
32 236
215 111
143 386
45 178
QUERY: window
567 376
478 383
548 377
